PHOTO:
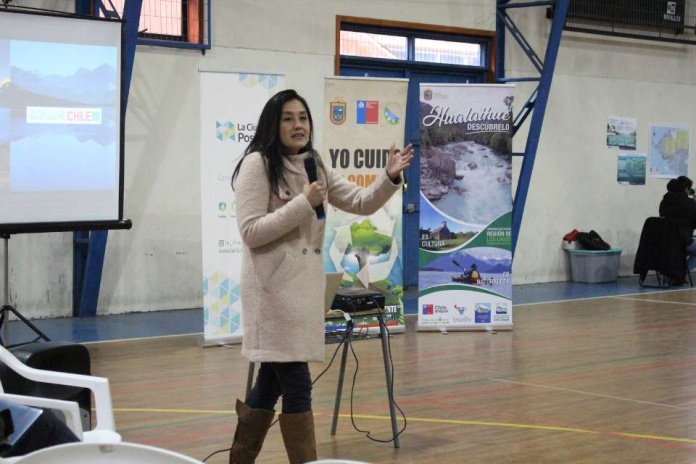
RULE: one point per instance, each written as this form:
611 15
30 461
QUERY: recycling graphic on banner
231 103
364 117
465 280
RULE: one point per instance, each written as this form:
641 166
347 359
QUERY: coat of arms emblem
338 112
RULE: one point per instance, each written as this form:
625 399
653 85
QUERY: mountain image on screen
64 119
95 88
88 87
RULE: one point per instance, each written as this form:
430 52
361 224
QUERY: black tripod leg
26 321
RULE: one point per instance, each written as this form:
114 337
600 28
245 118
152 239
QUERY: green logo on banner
498 234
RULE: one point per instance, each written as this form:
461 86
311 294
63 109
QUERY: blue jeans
691 255
291 380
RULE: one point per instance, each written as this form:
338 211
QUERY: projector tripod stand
8 309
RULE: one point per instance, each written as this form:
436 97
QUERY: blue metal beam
526 110
82 7
517 35
536 105
508 5
519 79
89 248
500 43
109 11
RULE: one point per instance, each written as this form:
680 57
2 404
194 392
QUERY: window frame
190 38
486 39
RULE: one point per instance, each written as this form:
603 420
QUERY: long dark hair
267 137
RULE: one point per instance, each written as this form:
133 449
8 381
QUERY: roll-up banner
231 103
363 117
465 280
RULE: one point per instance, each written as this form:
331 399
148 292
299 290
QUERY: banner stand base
219 340
445 329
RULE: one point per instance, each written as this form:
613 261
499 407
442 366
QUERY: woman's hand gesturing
398 161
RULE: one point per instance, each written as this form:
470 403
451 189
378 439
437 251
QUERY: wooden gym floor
602 380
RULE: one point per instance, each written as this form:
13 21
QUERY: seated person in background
678 206
24 429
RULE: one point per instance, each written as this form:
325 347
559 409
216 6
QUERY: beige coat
283 279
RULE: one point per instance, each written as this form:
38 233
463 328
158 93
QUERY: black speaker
67 357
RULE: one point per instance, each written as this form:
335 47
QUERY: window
448 52
178 23
367 44
655 20
402 43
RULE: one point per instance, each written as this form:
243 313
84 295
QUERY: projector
358 300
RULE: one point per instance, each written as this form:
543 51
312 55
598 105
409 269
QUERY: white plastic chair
112 453
336 461
105 430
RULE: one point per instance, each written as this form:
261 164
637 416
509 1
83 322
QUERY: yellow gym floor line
439 421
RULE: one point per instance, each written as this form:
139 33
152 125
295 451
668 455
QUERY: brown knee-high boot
252 426
298 436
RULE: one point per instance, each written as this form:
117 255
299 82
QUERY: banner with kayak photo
465 268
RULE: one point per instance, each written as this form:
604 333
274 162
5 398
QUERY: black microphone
310 165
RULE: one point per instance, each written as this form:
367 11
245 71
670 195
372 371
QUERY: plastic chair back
112 453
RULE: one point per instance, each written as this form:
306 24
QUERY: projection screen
61 123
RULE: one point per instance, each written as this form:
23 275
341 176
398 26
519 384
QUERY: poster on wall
669 150
631 168
622 133
363 118
465 254
231 103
